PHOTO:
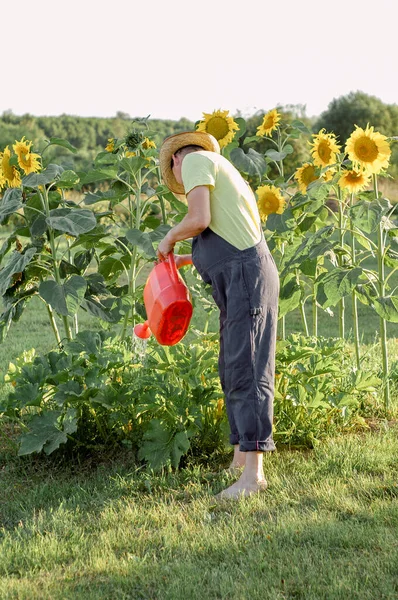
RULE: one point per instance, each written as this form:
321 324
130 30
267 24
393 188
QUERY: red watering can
167 303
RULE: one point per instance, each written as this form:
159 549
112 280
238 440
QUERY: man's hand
164 248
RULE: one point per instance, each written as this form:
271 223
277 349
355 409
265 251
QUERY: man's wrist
169 238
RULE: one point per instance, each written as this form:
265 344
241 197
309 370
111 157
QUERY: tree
358 108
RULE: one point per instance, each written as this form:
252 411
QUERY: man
230 253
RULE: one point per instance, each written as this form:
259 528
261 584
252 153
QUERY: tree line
90 134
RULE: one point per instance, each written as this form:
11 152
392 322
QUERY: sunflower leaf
50 174
57 141
251 163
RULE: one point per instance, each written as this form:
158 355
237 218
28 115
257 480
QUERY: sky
179 58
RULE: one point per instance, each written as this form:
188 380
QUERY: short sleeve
197 169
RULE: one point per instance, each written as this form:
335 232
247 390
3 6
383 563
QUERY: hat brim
173 143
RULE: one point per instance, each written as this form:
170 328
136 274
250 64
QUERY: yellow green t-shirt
233 206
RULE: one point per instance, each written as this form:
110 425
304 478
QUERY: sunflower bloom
354 181
27 160
3 180
220 125
10 172
368 150
270 200
130 154
305 175
324 149
269 124
147 143
329 174
111 145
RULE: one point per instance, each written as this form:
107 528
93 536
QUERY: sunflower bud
134 139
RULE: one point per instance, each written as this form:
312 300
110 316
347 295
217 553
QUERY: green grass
326 528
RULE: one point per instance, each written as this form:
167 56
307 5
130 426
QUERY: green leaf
7 245
65 298
142 240
110 309
86 341
11 202
311 247
66 390
16 264
281 223
108 196
134 164
251 162
49 175
161 446
290 295
28 394
277 156
46 433
242 127
94 176
73 221
57 141
336 284
68 179
387 308
300 126
367 215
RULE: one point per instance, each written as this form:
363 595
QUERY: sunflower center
271 202
308 175
270 122
354 177
324 151
218 127
366 149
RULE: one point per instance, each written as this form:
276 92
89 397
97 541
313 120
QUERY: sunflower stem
304 318
382 291
340 261
353 295
56 273
315 306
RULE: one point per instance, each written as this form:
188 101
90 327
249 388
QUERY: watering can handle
173 268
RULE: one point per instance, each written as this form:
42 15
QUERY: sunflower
270 200
368 149
111 145
10 172
147 143
305 175
27 160
329 174
354 181
3 181
220 125
130 154
324 149
270 123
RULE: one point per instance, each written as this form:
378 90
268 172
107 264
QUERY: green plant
318 391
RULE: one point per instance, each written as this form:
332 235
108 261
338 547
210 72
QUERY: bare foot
242 489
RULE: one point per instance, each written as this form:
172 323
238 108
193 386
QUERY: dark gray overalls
245 286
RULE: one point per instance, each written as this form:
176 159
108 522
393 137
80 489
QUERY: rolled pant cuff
266 446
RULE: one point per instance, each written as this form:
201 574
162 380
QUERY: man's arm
195 221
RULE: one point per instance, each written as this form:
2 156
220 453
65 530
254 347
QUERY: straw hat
173 143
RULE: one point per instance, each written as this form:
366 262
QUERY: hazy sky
176 58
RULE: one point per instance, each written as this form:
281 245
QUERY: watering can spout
142 330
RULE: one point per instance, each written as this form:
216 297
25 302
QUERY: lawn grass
325 528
